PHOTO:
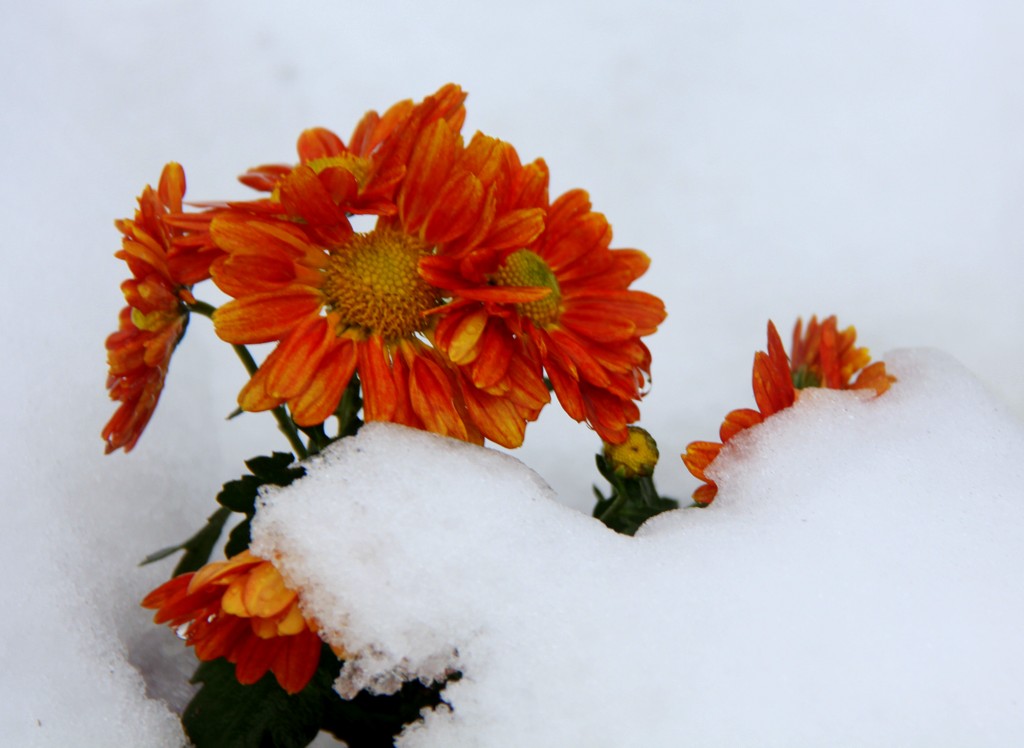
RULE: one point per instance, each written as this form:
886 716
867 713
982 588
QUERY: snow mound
856 582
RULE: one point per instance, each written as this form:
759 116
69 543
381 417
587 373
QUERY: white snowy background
774 160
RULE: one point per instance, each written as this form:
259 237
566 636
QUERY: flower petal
737 421
698 456
457 209
294 362
429 165
319 142
323 392
295 663
380 397
253 656
430 394
266 316
265 594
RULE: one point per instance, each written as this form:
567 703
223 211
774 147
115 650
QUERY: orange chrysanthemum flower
333 180
822 357
166 252
241 609
357 302
562 303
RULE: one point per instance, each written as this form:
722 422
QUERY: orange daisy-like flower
348 302
334 180
166 252
822 357
241 609
562 303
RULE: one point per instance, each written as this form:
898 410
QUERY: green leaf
236 496
239 538
197 548
224 713
240 495
274 469
161 554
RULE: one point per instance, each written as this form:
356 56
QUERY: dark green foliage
240 495
369 721
348 409
236 496
226 714
197 548
632 501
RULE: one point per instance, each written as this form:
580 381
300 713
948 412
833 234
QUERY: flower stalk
285 424
629 468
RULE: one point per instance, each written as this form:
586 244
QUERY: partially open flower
822 357
165 258
240 609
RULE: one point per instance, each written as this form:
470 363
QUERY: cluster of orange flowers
470 294
471 287
470 297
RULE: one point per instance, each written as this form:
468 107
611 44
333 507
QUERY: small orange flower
339 302
822 357
165 258
241 609
561 302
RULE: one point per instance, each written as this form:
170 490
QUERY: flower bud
635 457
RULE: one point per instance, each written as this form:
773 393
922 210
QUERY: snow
774 160
855 583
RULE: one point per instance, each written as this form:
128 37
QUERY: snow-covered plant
471 297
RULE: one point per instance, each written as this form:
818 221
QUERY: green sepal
197 548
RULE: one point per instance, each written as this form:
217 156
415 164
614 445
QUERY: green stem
202 308
317 437
614 507
284 422
348 422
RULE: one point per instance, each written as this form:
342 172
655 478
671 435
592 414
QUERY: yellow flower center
356 165
373 283
156 320
526 268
